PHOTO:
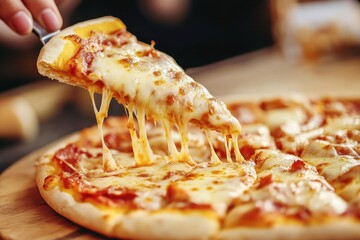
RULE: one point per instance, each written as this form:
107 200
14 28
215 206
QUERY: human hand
19 14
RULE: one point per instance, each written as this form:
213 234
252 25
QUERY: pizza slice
101 56
312 193
165 200
291 200
337 157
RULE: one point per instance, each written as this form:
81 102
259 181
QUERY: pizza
189 166
299 179
101 56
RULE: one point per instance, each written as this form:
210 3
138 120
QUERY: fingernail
21 22
50 19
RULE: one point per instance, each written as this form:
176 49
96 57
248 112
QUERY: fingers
18 14
45 12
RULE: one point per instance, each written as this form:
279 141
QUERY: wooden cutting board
25 215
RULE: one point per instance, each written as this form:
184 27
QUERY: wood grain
25 215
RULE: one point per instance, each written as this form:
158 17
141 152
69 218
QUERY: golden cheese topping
339 164
287 190
297 174
302 156
84 31
108 59
172 184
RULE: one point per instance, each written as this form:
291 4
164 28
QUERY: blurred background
232 47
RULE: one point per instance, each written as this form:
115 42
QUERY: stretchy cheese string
143 142
238 156
142 152
227 148
172 150
108 163
184 152
72 167
141 148
214 159
132 130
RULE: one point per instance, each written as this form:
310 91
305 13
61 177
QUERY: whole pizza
184 165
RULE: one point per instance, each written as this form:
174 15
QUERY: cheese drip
172 150
108 162
227 143
214 159
142 152
238 156
184 154
149 84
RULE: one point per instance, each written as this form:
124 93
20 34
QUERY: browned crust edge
137 224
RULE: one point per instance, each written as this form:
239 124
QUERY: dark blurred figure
197 32
194 32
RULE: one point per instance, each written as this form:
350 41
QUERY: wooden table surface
266 72
23 213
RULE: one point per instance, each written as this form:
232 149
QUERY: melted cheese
343 123
84 30
276 117
141 148
148 83
203 184
217 185
324 156
296 144
108 161
214 158
342 171
280 194
281 189
173 152
159 95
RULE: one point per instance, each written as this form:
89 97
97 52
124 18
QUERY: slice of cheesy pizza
102 56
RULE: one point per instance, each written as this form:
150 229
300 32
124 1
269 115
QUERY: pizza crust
166 223
54 48
176 224
137 224
51 51
340 229
172 223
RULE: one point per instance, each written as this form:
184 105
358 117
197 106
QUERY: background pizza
299 178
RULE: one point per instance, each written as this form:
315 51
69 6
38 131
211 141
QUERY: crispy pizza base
338 229
53 54
122 223
101 56
164 223
176 223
